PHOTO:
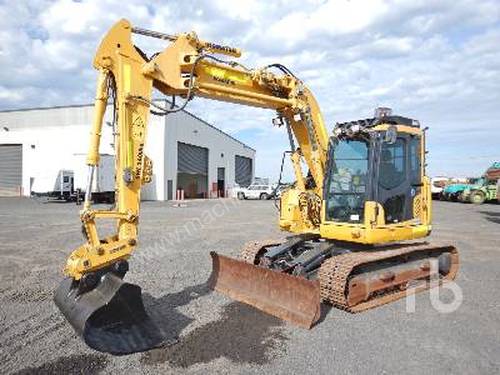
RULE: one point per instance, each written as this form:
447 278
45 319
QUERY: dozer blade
290 298
110 318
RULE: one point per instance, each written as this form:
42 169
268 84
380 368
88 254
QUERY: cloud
435 61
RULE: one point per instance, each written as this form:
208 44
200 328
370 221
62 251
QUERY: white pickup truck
256 191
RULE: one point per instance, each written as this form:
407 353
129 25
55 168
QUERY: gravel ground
216 335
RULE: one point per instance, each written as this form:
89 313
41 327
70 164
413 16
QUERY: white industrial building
187 152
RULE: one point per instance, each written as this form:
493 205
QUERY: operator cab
379 160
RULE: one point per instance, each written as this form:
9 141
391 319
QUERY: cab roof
374 121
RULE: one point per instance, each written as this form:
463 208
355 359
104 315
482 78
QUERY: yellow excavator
353 221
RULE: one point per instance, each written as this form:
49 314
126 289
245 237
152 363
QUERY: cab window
347 181
392 171
415 162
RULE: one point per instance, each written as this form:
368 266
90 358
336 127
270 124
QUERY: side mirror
391 135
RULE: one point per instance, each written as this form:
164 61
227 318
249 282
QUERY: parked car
255 191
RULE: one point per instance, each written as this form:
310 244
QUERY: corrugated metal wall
243 170
11 169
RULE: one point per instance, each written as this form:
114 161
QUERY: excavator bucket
110 318
290 298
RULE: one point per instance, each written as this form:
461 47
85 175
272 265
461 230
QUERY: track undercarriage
306 270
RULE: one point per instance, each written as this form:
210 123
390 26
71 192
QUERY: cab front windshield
347 181
477 181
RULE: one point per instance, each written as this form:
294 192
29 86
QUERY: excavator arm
185 68
93 292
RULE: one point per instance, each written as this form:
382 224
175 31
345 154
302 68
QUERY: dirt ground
215 335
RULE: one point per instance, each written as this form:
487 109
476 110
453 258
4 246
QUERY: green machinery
485 189
480 193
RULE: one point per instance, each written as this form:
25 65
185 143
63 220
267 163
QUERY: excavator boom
365 187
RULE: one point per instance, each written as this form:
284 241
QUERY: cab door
398 178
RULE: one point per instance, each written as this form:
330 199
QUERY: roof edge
91 105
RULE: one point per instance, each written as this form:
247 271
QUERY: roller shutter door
192 159
192 170
243 170
11 169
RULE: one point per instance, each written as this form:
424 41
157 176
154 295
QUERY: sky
435 61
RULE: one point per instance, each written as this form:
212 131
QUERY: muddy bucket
110 318
287 297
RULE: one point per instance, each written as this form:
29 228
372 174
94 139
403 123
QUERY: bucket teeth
111 317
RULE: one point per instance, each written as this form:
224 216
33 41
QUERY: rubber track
335 272
251 249
334 275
